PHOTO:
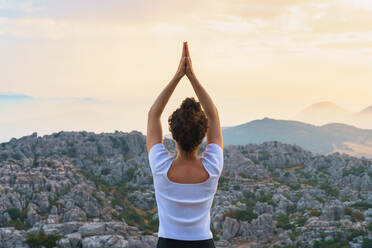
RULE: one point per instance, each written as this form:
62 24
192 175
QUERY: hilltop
325 139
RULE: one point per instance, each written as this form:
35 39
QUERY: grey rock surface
96 190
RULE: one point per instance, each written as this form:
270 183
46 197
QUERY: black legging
174 243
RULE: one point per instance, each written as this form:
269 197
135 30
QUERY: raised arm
214 133
154 130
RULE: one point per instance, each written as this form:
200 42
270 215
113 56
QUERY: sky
255 58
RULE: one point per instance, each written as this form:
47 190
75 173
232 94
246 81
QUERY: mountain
23 97
324 112
327 112
366 111
82 189
14 97
334 137
326 107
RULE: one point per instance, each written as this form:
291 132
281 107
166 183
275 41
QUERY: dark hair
188 124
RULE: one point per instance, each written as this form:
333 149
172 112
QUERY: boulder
107 241
92 229
230 228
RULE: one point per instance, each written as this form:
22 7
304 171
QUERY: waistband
175 243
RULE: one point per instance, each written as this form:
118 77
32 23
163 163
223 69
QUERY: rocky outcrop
110 241
96 190
230 228
9 237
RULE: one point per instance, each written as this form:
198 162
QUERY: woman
185 186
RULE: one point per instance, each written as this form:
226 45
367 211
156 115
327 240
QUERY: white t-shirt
184 209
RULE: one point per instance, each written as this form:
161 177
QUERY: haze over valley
26 114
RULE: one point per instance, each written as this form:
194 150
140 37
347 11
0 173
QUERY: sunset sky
256 58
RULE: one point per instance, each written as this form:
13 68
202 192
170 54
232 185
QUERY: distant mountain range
366 111
325 139
14 97
328 112
310 129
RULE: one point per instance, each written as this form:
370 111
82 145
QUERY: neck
187 156
182 155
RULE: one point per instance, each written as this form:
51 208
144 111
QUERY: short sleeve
213 155
159 158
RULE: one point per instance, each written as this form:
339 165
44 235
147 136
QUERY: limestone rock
109 241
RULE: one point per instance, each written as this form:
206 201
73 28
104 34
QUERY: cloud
349 45
233 16
231 24
116 49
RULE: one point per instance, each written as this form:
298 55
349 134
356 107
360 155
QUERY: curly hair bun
190 104
188 124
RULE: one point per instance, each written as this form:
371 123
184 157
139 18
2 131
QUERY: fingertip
187 50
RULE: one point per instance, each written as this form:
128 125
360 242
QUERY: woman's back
187 172
184 208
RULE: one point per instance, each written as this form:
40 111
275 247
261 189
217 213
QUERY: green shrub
246 215
369 227
124 146
100 150
355 233
367 243
14 213
98 180
362 205
312 182
268 198
115 142
300 221
356 171
348 211
321 200
17 218
334 243
294 186
130 172
354 215
293 236
265 156
105 171
236 187
291 208
41 239
151 180
243 174
315 212
4 156
283 221
329 190
248 195
215 237
71 151
357 216
17 224
17 156
99 199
